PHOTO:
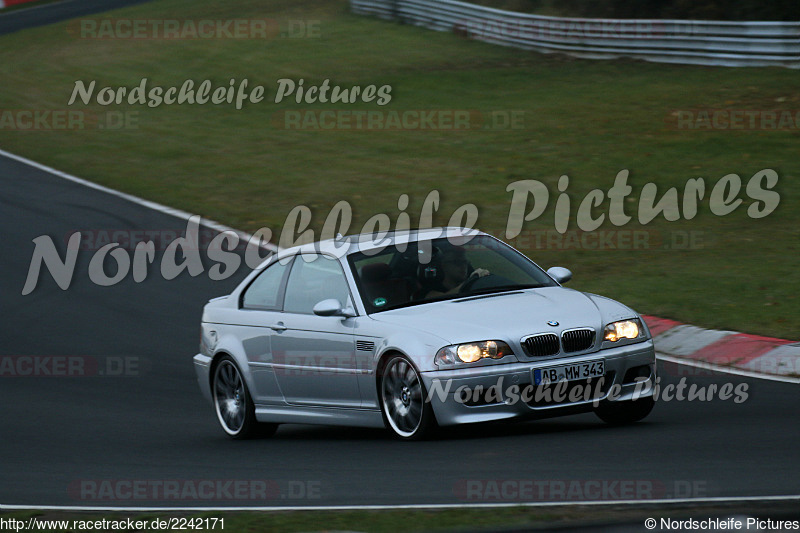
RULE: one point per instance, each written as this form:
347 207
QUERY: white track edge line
725 369
594 503
183 215
31 8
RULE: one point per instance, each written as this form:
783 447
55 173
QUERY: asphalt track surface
42 14
152 425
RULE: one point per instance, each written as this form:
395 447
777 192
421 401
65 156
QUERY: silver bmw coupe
416 330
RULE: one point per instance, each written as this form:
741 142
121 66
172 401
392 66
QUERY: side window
263 293
315 278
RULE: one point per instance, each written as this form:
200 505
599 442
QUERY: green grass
587 119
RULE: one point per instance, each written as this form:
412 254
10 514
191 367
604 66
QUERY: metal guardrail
718 43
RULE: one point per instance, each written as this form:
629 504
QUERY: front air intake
542 345
577 340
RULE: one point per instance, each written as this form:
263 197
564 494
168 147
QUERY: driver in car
455 272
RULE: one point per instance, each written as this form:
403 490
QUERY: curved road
42 14
100 438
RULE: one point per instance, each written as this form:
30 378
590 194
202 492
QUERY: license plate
554 374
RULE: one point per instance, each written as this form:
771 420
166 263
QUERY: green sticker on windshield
379 302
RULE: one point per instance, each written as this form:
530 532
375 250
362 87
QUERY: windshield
441 269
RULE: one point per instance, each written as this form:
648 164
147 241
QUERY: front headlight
471 352
624 329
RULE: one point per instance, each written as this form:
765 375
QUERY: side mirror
560 274
332 307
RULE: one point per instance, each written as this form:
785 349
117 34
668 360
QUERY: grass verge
585 119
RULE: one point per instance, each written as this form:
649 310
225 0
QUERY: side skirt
331 416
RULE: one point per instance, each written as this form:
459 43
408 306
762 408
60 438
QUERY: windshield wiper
449 297
504 288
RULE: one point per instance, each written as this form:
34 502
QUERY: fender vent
365 346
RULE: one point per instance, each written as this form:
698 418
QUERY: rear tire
233 404
403 401
628 412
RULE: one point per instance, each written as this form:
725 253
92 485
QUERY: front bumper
498 399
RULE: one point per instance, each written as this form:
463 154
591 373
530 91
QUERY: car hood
508 316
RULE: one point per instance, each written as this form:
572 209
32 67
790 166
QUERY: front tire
628 412
403 401
233 404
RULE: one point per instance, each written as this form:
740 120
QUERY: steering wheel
470 283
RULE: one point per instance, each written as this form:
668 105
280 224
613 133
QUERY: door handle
278 327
